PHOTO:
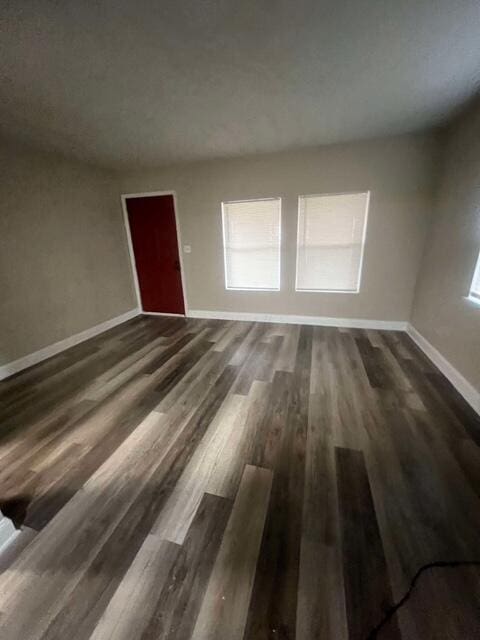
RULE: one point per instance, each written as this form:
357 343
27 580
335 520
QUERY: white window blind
475 288
251 237
331 236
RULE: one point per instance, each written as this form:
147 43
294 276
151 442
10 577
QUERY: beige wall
64 265
398 171
441 312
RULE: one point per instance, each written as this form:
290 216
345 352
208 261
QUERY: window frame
356 291
473 296
261 289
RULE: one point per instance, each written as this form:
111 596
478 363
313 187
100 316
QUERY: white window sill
252 289
326 291
473 300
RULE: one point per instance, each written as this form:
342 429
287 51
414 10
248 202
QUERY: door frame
148 194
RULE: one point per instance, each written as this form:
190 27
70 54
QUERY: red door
154 238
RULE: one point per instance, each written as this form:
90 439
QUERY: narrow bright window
475 287
251 240
330 242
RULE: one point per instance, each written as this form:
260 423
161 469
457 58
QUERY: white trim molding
158 313
321 321
7 532
29 360
461 384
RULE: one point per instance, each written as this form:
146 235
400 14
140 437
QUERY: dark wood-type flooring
184 478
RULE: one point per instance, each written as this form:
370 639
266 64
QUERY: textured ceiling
126 82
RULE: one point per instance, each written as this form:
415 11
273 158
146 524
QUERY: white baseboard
158 313
461 384
322 321
7 531
47 352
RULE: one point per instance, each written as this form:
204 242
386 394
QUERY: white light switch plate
187 248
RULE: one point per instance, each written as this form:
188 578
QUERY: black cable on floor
432 565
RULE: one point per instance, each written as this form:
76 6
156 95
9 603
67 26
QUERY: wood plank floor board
199 475
248 372
39 407
405 539
217 330
85 523
302 476
441 474
367 585
93 593
435 402
270 429
133 603
265 366
259 399
233 330
20 454
466 456
351 401
181 368
202 375
224 608
123 371
444 604
179 601
44 507
225 479
373 361
321 600
254 337
168 353
288 351
45 394
78 369
274 600
462 411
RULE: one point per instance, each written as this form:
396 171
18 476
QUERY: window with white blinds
251 240
475 288
330 241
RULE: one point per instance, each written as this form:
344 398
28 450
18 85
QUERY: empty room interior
240 320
